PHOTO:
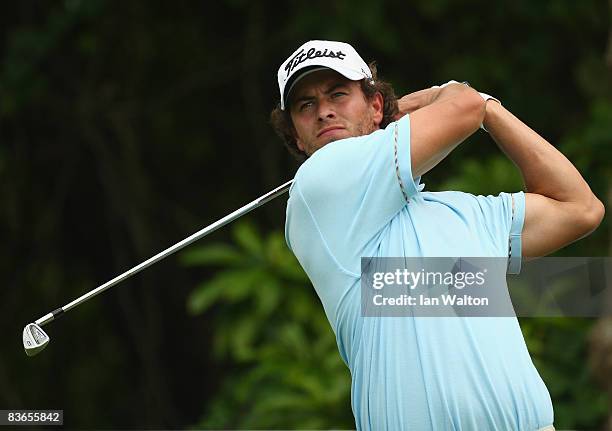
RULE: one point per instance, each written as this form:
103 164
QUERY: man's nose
326 111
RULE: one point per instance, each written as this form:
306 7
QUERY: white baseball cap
317 55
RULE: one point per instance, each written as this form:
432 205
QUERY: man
358 195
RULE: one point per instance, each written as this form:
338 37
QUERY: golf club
35 339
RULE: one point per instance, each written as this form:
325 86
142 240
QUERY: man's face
325 106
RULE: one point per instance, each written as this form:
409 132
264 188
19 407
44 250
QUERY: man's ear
377 106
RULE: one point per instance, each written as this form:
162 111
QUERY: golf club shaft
167 252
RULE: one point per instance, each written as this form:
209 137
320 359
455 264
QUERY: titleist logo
302 56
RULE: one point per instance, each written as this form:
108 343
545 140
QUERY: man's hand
419 99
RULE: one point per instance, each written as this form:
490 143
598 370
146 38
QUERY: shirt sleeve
353 187
503 217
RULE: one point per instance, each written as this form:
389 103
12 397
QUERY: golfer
358 194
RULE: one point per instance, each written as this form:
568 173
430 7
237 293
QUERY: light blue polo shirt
350 199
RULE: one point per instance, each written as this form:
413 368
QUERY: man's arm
440 119
560 208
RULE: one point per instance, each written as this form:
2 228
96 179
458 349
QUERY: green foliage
559 352
588 146
271 335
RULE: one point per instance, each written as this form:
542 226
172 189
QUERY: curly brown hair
283 125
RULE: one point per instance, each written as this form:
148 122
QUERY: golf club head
34 339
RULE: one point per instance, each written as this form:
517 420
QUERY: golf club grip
170 250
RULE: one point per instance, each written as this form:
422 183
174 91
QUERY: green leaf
244 334
203 297
268 296
228 286
248 238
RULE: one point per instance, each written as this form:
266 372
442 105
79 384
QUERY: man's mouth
328 130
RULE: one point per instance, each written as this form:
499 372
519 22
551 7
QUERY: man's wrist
486 98
492 113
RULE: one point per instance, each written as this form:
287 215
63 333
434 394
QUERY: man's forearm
448 90
544 169
419 99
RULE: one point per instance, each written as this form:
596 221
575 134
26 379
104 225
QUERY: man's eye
305 105
338 94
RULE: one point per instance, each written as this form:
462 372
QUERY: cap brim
302 73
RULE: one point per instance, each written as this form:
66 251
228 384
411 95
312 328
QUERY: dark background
127 126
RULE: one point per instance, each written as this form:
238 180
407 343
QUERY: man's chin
339 135
334 137
329 139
